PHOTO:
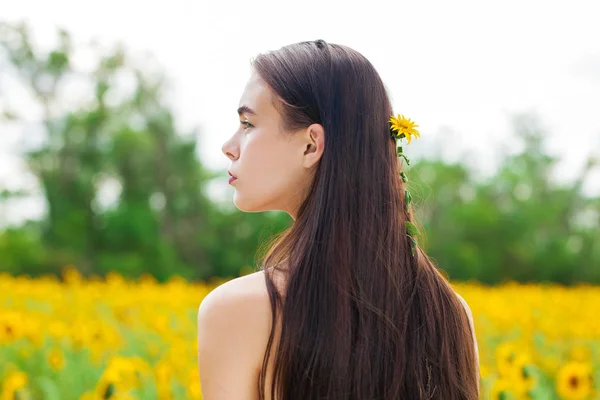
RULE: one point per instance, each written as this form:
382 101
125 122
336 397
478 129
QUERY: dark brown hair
361 319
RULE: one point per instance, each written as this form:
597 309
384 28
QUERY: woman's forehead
256 98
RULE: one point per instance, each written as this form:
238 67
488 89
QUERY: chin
251 205
243 204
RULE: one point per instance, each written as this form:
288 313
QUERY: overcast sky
460 69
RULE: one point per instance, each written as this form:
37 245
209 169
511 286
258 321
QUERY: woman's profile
341 308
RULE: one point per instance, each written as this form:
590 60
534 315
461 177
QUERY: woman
341 308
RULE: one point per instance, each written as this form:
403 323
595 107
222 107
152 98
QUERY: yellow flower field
118 339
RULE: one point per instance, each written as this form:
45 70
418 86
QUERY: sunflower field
114 338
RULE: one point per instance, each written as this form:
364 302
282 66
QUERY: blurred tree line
517 224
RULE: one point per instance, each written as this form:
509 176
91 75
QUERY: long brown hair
361 317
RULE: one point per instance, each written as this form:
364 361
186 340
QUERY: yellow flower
511 360
162 372
123 372
506 354
193 384
71 275
404 126
500 389
11 327
484 370
57 329
16 381
121 376
523 379
56 359
574 380
580 353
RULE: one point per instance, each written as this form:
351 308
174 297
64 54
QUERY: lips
233 177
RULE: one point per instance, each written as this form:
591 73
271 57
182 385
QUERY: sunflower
13 385
56 359
500 390
525 380
506 357
580 353
404 126
574 380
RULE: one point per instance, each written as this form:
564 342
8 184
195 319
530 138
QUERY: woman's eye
248 124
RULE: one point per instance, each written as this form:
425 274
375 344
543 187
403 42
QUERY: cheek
268 167
268 157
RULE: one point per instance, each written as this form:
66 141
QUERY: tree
516 225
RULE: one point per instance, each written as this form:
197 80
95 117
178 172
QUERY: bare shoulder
240 306
247 287
241 303
234 320
239 295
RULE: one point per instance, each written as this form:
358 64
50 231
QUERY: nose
230 149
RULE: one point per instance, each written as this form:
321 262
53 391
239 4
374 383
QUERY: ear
314 145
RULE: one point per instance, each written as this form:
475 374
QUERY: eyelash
248 124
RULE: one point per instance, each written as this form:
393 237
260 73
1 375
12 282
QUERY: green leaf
407 199
413 245
399 151
49 388
411 228
407 161
404 177
57 61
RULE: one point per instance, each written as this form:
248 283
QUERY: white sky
452 66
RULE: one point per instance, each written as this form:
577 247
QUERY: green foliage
517 224
162 222
21 251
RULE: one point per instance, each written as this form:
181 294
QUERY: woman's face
274 168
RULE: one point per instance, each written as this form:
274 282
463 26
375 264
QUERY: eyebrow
245 109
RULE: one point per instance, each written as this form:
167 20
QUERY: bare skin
234 323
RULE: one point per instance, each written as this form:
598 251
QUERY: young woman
341 308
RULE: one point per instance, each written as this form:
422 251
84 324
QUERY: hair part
365 319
